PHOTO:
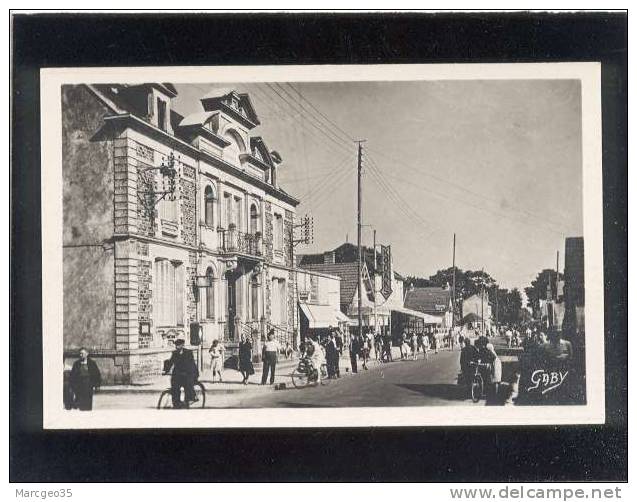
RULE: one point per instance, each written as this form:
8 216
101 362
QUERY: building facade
433 301
172 225
476 311
319 297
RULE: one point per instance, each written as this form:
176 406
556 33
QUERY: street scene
322 245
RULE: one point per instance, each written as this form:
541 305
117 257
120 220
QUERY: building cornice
130 120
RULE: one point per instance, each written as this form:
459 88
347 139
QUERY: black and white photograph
332 247
354 244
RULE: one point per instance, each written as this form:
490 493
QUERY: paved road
401 383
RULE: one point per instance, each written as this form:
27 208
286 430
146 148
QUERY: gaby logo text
548 380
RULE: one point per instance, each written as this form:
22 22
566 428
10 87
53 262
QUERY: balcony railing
234 241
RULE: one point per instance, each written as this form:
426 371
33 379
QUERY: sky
496 162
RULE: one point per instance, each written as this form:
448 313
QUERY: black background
415 454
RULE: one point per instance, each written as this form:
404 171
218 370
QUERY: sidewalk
232 378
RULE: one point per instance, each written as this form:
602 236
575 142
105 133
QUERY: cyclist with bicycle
184 373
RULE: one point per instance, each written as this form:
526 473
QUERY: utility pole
375 270
359 229
557 282
497 312
453 287
482 302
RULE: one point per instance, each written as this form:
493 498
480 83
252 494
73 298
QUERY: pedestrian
287 352
508 334
332 355
245 359
216 352
354 350
496 371
378 346
468 354
338 338
426 343
387 355
414 346
270 357
85 379
184 374
435 341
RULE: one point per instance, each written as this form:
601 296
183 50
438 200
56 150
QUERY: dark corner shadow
446 391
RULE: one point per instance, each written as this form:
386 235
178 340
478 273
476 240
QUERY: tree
468 282
538 289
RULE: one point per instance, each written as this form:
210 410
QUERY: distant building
319 301
434 301
476 310
376 308
574 291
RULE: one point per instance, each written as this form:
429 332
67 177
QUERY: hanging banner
385 253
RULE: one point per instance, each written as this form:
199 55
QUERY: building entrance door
232 304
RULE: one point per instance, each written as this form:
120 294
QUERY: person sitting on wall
184 374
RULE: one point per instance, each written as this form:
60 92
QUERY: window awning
323 316
427 318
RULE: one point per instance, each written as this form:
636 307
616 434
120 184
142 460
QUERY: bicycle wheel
477 387
299 379
165 400
200 392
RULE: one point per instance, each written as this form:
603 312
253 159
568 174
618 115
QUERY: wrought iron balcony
234 241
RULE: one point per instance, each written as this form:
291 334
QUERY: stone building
172 225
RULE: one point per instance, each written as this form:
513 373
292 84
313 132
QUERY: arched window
209 209
210 295
254 219
235 148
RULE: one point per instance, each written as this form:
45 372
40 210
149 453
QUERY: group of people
483 351
414 342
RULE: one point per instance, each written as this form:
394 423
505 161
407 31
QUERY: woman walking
245 359
216 359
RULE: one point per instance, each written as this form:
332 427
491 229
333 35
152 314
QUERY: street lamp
157 190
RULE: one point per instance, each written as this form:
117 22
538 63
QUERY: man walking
270 356
354 348
332 355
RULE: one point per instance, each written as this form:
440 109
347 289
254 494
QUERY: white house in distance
474 309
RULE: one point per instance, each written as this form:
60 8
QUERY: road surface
400 383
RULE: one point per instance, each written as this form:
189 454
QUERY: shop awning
322 316
426 318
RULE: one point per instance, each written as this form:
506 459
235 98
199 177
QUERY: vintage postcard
322 246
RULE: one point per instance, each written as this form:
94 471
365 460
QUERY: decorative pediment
238 106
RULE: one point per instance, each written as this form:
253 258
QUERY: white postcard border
55 417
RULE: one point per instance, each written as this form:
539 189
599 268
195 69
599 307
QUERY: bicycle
306 374
477 380
166 398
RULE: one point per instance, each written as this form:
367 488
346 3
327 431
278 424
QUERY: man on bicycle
184 374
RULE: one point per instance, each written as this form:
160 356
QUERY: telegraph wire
328 126
442 180
320 130
319 112
458 187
